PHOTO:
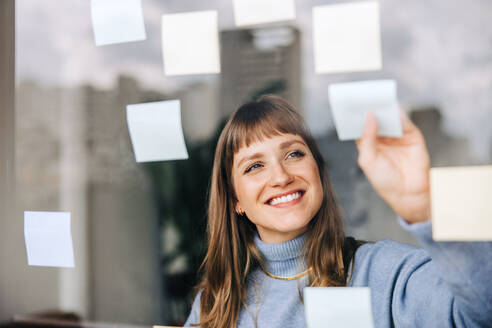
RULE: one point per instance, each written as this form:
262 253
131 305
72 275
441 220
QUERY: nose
280 177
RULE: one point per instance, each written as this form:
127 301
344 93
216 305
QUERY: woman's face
278 186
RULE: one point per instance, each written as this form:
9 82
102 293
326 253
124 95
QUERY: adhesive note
190 43
250 12
347 37
348 307
117 21
461 199
156 132
350 101
48 239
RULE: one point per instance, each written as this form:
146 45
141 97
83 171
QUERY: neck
275 237
283 259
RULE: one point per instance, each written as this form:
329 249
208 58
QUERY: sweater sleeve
445 284
194 316
466 270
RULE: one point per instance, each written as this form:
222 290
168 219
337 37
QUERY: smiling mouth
286 199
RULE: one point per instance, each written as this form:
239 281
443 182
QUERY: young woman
274 227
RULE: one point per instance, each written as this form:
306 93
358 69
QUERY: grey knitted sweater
439 285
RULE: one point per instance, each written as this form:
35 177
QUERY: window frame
7 150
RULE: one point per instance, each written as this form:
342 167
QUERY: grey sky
440 52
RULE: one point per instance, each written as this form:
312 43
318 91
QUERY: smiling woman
278 187
265 152
274 227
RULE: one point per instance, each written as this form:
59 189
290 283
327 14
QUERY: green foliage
181 192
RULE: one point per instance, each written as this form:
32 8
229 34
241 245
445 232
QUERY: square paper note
347 37
155 130
48 239
348 307
350 101
190 43
117 21
461 203
250 12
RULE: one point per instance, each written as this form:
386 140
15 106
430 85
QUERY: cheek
317 187
246 191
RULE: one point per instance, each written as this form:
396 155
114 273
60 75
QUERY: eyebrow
287 144
283 145
249 158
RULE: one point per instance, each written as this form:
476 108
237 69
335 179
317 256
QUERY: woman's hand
398 168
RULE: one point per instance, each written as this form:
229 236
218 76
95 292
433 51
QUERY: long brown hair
231 253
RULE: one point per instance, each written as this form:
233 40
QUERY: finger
367 143
406 124
370 131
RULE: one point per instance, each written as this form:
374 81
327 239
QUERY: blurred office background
139 229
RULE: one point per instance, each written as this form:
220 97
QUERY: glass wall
139 228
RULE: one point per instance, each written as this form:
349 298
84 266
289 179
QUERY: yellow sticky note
190 43
347 37
461 203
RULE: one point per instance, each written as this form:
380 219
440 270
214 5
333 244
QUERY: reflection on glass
138 229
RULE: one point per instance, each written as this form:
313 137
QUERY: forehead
264 145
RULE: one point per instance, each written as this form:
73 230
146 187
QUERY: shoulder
389 249
194 316
387 258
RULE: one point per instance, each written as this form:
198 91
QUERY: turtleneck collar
283 259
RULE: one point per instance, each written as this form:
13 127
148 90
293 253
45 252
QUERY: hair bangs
261 120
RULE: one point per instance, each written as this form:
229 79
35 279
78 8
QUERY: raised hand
398 168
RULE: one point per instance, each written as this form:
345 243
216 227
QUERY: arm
457 276
466 269
438 286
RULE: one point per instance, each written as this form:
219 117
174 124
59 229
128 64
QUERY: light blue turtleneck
442 285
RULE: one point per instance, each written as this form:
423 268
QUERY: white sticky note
347 37
350 101
461 199
48 239
117 21
250 12
156 132
348 307
190 43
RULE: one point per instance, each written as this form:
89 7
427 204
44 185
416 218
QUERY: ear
239 209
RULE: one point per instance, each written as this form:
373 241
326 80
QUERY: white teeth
285 199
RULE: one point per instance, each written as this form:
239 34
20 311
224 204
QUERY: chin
294 224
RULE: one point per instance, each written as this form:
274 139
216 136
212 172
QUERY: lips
285 198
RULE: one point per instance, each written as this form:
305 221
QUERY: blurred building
258 61
444 149
124 230
199 110
74 154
